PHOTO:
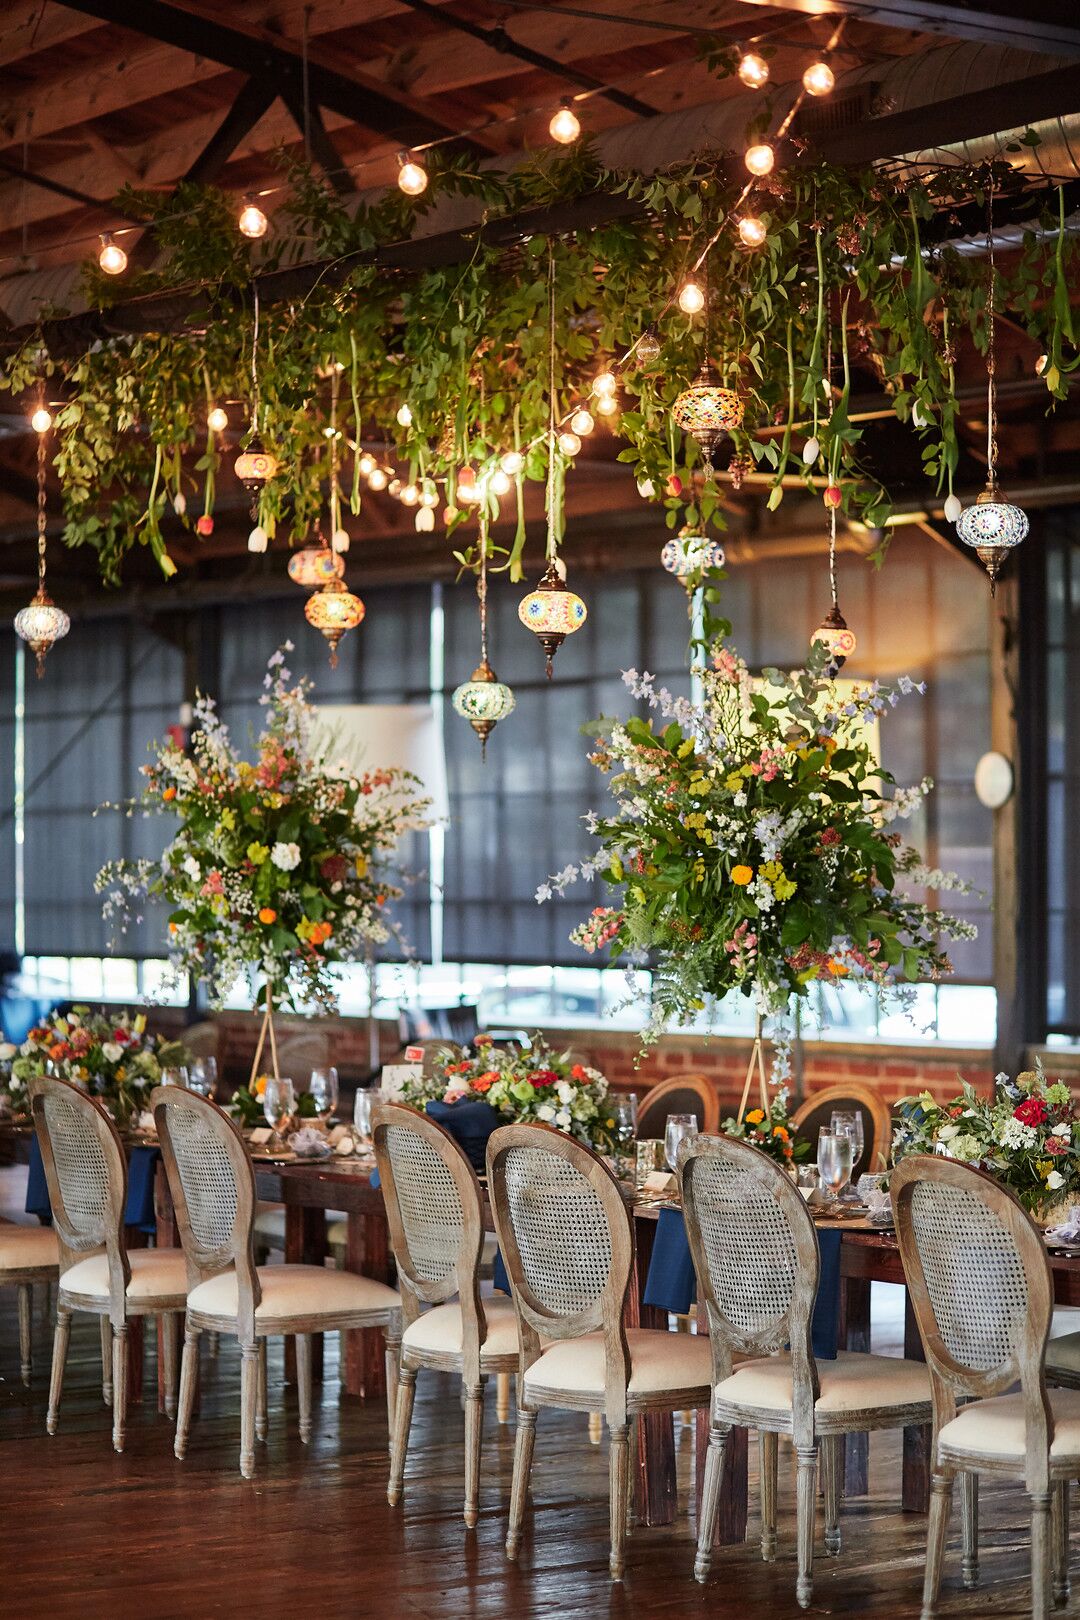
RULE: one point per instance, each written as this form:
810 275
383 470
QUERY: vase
1052 1211
470 1123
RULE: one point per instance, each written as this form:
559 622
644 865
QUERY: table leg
367 1252
655 1484
854 1334
915 1474
305 1244
135 1239
167 1236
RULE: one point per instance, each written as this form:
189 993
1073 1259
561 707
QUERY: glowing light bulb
412 176
429 496
648 347
410 495
691 298
500 483
605 382
366 464
753 70
394 487
565 126
377 478
607 405
404 416
41 421
818 79
582 422
217 420
252 222
752 231
512 462
112 258
760 158
569 444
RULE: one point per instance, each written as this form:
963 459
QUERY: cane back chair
435 1211
28 1255
818 1110
213 1192
756 1256
682 1094
567 1239
982 1291
86 1173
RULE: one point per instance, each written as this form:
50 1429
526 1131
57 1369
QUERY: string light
500 483
691 298
647 350
512 463
565 127
760 158
217 420
818 79
377 478
41 623
366 464
412 176
41 421
404 416
605 382
582 422
410 495
752 231
252 222
753 70
112 258
569 444
607 405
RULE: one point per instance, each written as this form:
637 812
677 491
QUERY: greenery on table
769 1129
110 1054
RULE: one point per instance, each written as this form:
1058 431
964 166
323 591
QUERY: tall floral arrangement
754 843
281 865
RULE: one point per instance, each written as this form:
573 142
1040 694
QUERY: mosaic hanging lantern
41 623
833 633
483 700
254 467
689 554
333 611
316 565
707 411
552 613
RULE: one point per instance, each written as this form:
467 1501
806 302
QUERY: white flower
193 869
1054 1180
111 1052
546 1113
1064 1130
286 856
7 1051
947 1132
562 1119
564 1091
1015 1134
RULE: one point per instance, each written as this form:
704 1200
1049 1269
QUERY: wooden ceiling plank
29 177
1047 26
29 26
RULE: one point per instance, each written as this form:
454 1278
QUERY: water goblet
175 1075
849 1122
680 1127
323 1087
362 1113
807 1176
834 1161
624 1114
202 1076
279 1102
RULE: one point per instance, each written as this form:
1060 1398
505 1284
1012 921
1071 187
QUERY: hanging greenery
845 274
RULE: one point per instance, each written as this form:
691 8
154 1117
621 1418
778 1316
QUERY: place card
395 1076
260 1136
660 1181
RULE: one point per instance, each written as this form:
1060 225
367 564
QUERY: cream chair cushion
995 1427
1062 1353
658 1361
155 1273
296 1291
25 1246
439 1329
270 1226
852 1383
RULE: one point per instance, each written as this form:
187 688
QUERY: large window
1059 877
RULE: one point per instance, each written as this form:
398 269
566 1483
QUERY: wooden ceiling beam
1047 26
319 142
29 26
58 189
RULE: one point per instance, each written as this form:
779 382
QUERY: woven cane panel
749 1249
81 1169
428 1201
561 1230
974 1275
206 1175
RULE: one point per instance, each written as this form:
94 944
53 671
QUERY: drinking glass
680 1127
624 1113
362 1112
279 1101
834 1161
323 1087
808 1177
175 1075
202 1076
849 1122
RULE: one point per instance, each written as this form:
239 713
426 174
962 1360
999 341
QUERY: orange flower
742 875
778 1130
755 1116
268 915
838 970
173 927
168 793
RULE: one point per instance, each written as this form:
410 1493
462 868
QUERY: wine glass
175 1075
624 1114
834 1159
323 1087
807 1176
202 1076
362 1113
849 1122
279 1101
680 1127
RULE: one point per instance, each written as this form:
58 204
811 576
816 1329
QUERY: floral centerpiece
281 865
1027 1135
524 1085
109 1054
769 1128
753 844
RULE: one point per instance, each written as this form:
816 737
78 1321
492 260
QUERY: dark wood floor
87 1533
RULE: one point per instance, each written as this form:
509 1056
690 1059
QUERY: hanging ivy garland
462 345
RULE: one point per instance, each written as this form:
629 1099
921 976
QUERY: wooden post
1005 739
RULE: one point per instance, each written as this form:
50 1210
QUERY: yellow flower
784 888
139 1023
686 748
361 866
734 782
228 819
771 870
742 875
257 853
1044 1167
755 1116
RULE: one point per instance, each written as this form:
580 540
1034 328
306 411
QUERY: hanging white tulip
953 508
810 451
424 520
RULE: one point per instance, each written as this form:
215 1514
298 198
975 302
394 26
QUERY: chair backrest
435 1212
817 1110
756 1256
86 1173
980 1284
566 1235
212 1184
685 1094
202 1040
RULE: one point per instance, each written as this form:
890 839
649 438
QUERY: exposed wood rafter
1049 26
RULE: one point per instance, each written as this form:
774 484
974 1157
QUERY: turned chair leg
502 1397
106 1360
937 1529
393 1373
61 1335
1059 1527
168 1328
402 1420
832 1463
1040 1554
524 1441
249 1379
767 1471
26 1343
715 1458
303 1384
262 1421
618 1474
805 1509
969 1518
189 1373
474 1429
120 1366
596 1428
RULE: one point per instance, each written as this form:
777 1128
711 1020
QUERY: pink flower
455 1091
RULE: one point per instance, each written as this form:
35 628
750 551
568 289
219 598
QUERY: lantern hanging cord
991 358
41 521
255 358
832 557
551 547
481 590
